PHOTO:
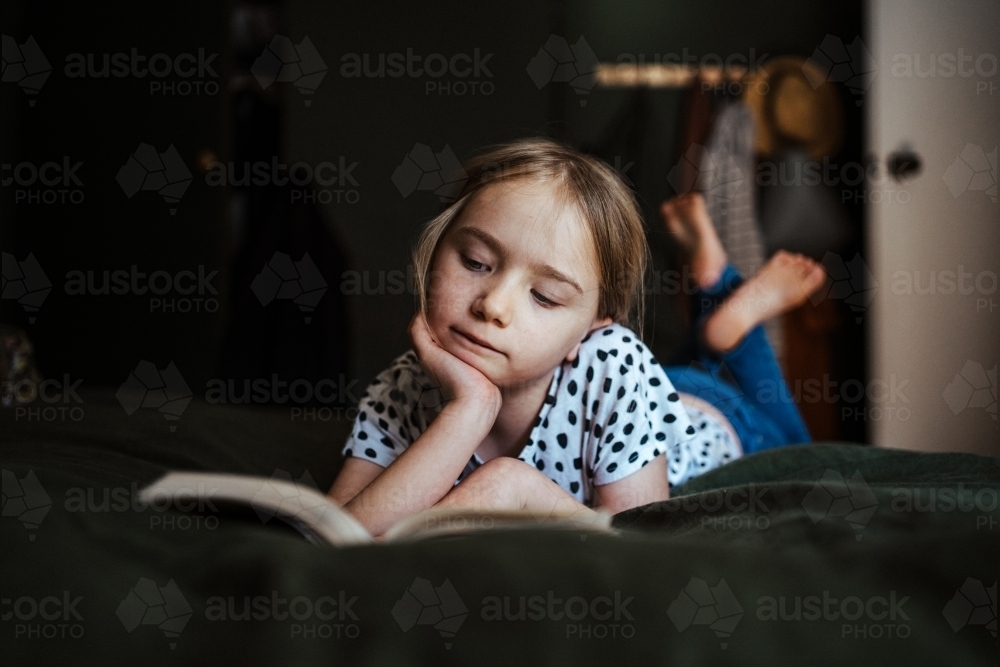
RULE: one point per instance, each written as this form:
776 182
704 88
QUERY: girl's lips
476 341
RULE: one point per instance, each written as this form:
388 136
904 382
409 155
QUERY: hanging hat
794 106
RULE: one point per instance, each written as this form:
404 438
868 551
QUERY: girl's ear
598 324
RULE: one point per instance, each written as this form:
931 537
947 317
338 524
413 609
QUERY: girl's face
514 283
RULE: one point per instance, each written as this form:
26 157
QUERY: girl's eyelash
546 302
473 264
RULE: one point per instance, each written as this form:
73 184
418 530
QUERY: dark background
372 121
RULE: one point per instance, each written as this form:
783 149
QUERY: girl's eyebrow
499 248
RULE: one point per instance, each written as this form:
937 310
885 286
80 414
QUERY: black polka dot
673 397
618 446
370 453
607 332
590 374
571 417
621 392
559 466
670 419
607 385
661 436
633 457
576 362
602 355
362 436
644 440
690 430
628 429
348 452
541 445
391 412
540 464
383 423
612 467
595 406
379 407
632 406
574 486
598 431
362 416
654 381
561 439
578 462
388 442
614 418
571 388
652 406
626 339
628 359
622 369
545 423
551 400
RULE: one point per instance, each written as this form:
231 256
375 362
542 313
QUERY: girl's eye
546 302
473 264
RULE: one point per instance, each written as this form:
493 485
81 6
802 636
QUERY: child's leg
729 314
733 335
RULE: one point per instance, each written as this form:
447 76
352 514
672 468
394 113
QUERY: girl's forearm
425 471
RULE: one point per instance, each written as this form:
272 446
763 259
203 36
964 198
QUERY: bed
831 553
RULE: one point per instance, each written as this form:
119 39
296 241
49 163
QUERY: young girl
525 388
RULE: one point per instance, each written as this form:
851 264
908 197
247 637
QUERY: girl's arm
426 470
647 485
506 483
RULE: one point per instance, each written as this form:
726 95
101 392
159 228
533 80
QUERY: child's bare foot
784 283
686 218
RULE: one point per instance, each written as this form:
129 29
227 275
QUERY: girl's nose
495 304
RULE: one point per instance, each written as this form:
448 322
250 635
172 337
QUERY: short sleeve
389 418
636 413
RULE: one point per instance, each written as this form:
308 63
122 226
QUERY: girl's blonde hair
605 202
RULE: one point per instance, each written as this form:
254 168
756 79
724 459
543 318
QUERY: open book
322 521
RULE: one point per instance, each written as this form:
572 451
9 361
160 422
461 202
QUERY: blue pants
744 384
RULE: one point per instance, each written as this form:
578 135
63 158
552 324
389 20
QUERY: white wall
940 223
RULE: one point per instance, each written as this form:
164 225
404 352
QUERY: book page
307 510
448 521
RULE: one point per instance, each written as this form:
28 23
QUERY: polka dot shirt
606 415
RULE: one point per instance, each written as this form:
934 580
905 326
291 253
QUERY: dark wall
373 121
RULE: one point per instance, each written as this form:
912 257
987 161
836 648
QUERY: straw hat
794 105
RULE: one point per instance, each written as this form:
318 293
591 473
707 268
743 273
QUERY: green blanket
823 554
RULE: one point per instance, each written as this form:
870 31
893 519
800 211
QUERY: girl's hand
458 380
